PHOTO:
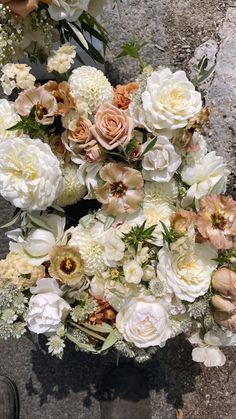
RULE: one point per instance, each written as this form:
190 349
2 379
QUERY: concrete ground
54 389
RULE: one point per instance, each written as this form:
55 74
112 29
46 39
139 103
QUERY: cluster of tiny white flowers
11 35
42 24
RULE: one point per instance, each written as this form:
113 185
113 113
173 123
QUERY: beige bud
223 304
224 281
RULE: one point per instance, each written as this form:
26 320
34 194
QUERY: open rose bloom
155 256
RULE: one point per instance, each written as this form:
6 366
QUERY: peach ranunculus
22 8
224 281
113 127
182 219
61 92
122 192
44 102
122 95
216 220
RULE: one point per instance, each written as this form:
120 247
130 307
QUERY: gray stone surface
54 389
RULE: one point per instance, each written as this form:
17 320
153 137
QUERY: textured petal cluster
71 191
144 321
62 59
168 101
16 75
30 175
89 85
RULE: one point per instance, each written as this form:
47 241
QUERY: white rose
8 118
67 9
161 162
45 286
144 321
133 272
187 268
203 176
30 174
46 311
114 247
39 242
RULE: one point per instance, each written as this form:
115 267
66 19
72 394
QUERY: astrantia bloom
30 175
66 264
168 101
122 192
89 85
44 102
216 220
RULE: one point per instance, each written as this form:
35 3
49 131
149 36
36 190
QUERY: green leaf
38 222
150 145
84 346
108 223
86 330
219 187
110 340
131 146
103 328
58 208
12 221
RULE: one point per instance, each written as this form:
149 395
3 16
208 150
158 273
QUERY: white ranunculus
203 176
168 101
89 85
37 245
187 267
8 118
30 174
88 176
67 9
46 285
133 272
161 162
145 322
114 247
46 311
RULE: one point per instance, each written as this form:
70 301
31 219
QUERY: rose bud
223 304
224 319
224 280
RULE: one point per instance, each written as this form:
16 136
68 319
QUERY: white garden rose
133 272
67 9
161 162
203 176
145 322
8 118
30 174
168 101
186 268
89 85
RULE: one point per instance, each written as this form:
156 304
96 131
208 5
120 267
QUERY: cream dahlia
71 190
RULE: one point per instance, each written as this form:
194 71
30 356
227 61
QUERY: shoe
125 395
9 399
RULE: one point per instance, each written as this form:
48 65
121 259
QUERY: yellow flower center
176 97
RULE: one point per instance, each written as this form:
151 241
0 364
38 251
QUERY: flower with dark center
66 264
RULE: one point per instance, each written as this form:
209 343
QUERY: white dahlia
8 117
71 190
161 191
30 175
89 85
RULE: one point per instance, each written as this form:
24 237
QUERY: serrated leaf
110 340
150 145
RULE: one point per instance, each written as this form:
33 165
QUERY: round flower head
71 191
66 264
30 175
89 85
122 191
217 220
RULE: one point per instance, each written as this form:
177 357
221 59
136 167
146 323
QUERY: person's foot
125 395
9 399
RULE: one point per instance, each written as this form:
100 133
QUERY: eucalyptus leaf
110 340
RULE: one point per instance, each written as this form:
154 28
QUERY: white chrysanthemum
161 191
89 85
30 174
156 213
169 100
90 246
69 10
62 59
8 118
71 190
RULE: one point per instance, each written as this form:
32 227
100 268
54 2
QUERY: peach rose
113 127
95 153
82 134
122 95
61 92
22 8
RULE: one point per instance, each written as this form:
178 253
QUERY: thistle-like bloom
123 189
217 220
66 264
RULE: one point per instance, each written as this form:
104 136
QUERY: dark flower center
218 221
118 189
40 111
68 265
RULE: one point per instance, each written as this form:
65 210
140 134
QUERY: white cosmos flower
168 101
186 268
133 272
161 162
144 321
30 174
203 176
8 118
67 9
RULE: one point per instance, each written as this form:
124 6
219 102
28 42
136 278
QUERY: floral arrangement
31 28
157 256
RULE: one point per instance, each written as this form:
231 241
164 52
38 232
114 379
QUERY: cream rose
113 127
145 322
30 174
168 101
161 162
